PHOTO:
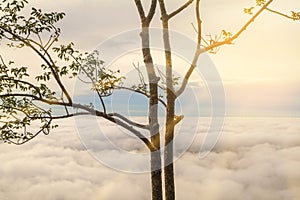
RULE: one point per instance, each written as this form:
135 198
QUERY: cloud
255 158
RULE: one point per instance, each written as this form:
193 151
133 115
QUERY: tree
203 45
25 98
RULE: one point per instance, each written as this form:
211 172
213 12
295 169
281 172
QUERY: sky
259 72
254 158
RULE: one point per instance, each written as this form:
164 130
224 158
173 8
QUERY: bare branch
230 40
50 117
18 95
184 6
129 121
3 63
163 10
134 131
151 11
141 76
140 92
197 54
178 119
215 45
40 39
140 9
63 116
199 23
279 13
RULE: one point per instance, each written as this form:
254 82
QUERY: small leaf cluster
295 15
249 11
226 35
259 3
17 24
103 80
20 113
12 80
17 107
72 57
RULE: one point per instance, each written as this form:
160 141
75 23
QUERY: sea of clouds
255 158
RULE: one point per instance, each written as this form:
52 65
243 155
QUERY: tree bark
170 115
156 165
156 176
168 148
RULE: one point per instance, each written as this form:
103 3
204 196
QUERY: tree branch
24 82
196 55
43 58
94 84
32 137
214 45
178 119
151 11
164 14
63 116
230 40
92 112
140 9
184 6
138 125
134 131
140 92
279 13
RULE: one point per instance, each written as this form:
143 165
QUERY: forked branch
216 44
146 19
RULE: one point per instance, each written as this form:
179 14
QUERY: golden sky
261 69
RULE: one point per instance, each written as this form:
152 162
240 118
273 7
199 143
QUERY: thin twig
230 40
94 85
279 13
129 121
140 92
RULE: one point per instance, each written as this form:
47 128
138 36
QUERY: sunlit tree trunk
170 112
156 165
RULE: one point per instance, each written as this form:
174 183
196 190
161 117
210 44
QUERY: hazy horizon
244 101
253 159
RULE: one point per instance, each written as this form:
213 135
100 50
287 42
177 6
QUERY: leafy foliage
20 113
103 80
23 98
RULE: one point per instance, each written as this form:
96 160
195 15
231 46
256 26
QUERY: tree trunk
169 173
170 113
156 165
168 152
156 176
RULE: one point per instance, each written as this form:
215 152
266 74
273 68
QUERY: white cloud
256 158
